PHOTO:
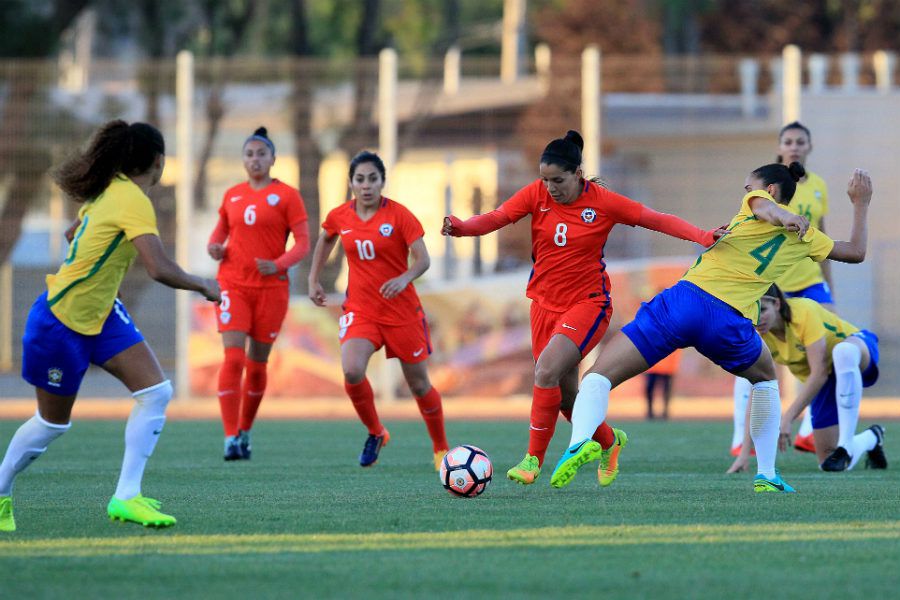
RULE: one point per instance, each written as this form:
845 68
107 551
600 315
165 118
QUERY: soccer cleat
244 444
438 458
7 522
876 458
805 443
736 450
526 472
838 460
141 510
761 483
609 459
233 447
572 459
369 455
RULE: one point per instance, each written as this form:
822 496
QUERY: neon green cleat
7 522
139 509
572 459
526 472
609 460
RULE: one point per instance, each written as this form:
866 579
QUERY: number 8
560 238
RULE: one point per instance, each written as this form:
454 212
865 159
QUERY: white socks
765 418
28 443
591 406
862 443
806 427
141 434
742 389
848 391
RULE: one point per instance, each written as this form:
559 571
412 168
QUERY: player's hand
796 223
720 232
740 463
211 290
266 267
451 225
392 287
784 434
216 251
70 232
860 187
317 293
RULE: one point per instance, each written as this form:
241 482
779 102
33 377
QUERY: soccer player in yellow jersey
805 279
79 320
836 360
714 309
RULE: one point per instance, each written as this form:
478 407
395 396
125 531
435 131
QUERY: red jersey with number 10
567 241
377 250
259 222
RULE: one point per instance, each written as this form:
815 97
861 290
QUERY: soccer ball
466 471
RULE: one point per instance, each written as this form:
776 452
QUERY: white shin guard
29 442
765 417
141 434
848 391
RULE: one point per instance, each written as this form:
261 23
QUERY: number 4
766 252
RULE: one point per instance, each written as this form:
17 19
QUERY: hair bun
575 137
261 131
796 170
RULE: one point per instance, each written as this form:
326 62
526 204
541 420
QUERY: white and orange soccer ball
466 471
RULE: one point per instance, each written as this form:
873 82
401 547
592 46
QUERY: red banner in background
480 334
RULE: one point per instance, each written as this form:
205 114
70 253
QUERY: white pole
542 60
850 71
748 69
6 315
818 73
184 122
590 109
451 70
511 43
387 107
885 63
790 97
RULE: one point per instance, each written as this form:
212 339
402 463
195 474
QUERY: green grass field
302 519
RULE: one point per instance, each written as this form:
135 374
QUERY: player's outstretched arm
676 227
860 191
324 245
477 225
166 271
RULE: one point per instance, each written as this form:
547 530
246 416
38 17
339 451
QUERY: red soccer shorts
411 343
256 311
585 324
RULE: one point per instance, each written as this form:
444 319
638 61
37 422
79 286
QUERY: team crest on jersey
225 317
54 376
273 199
386 229
588 215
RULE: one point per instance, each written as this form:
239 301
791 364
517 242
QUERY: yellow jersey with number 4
811 201
810 322
82 292
740 266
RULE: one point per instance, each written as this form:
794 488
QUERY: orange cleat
736 450
805 443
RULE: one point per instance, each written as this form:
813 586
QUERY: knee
419 386
156 396
546 376
846 357
354 374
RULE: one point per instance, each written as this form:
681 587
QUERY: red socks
544 408
433 413
364 402
230 388
254 388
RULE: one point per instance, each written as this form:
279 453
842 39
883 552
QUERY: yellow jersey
811 201
740 266
82 292
810 322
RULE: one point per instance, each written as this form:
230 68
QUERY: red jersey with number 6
567 241
377 250
259 222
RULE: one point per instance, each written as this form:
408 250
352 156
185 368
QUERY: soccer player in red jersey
255 219
381 308
569 286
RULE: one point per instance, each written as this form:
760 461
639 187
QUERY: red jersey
258 222
377 250
567 241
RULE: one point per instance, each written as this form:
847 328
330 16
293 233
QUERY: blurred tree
30 29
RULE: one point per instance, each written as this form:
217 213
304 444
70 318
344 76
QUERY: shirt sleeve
521 203
137 216
330 224
820 245
621 209
810 328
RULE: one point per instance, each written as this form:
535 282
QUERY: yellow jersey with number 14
811 201
740 266
82 292
810 322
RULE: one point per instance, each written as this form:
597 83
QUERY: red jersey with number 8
259 222
377 250
567 241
